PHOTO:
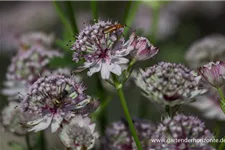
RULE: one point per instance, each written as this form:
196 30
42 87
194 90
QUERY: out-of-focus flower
143 49
209 104
183 128
79 134
13 119
169 83
28 66
118 136
102 51
13 87
33 38
213 73
55 99
210 48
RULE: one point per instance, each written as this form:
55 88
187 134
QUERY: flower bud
143 49
213 73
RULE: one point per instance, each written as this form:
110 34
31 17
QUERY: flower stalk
28 142
128 117
222 101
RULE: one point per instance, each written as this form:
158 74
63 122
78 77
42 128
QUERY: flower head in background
213 73
143 49
55 99
101 51
209 105
182 127
13 119
28 66
210 48
35 38
118 135
79 134
169 83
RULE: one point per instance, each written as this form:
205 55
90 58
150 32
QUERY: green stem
63 18
171 110
28 142
128 72
94 9
126 11
222 101
43 144
154 25
69 7
222 145
130 14
128 117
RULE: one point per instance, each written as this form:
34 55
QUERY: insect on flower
113 28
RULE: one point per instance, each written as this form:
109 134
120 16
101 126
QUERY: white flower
79 134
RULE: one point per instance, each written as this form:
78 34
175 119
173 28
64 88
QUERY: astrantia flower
28 66
118 136
13 119
13 86
79 134
34 38
213 73
101 52
210 48
169 83
182 127
143 49
55 99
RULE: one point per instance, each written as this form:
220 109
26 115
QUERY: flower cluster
104 49
181 127
55 99
210 48
79 134
118 136
170 84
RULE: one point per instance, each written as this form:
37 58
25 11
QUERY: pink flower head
102 52
213 73
55 99
143 49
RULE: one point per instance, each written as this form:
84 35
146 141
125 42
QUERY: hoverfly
113 28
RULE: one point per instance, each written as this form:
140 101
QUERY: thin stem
128 19
154 26
63 18
126 11
222 101
43 144
71 16
171 110
128 72
94 9
128 118
28 142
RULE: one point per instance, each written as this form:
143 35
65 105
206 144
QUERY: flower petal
105 72
46 121
56 121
